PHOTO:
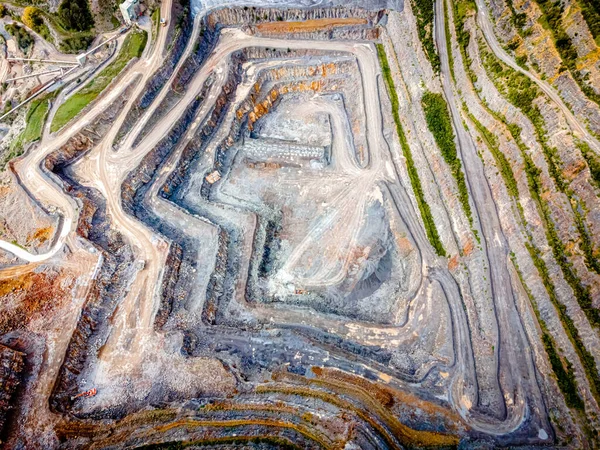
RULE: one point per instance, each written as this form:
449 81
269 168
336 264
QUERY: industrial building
130 9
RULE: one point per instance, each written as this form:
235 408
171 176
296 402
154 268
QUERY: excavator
88 393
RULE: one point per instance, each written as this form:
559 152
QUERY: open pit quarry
303 224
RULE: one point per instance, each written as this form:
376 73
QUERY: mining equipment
89 393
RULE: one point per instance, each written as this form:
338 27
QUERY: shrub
23 38
553 15
424 14
590 9
593 161
428 222
75 44
440 125
32 17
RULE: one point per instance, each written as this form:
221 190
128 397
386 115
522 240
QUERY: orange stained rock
32 293
546 195
376 402
308 26
41 235
468 248
572 170
453 263
403 243
4 190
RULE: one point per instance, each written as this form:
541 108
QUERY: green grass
35 120
34 123
440 125
424 12
132 47
428 222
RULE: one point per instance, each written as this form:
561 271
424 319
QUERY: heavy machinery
89 393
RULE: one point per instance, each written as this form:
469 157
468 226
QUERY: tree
76 15
32 18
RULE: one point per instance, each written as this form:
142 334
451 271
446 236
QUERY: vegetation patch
155 23
440 125
501 161
533 173
132 47
35 119
561 367
553 12
33 18
522 92
75 15
34 124
22 37
448 40
424 12
75 44
430 229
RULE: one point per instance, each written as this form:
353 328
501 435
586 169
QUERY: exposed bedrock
107 290
159 79
222 161
264 98
219 287
208 33
183 254
228 17
112 279
298 269
354 412
12 363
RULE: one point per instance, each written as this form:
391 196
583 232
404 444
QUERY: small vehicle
163 22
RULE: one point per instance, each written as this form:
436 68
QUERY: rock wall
12 363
